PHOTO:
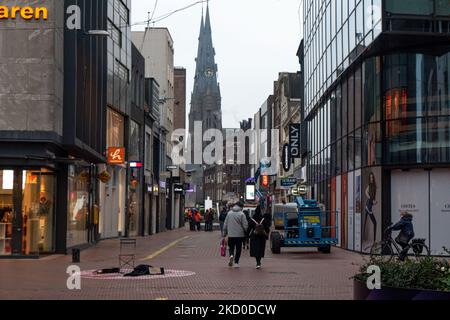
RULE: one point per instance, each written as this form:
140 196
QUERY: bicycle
388 249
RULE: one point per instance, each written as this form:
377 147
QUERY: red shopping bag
223 248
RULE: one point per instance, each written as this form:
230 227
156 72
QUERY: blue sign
288 182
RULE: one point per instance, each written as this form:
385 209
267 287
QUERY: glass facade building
377 104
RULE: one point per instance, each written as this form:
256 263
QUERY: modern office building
138 222
377 102
114 194
52 130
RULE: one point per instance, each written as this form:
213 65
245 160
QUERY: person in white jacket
235 228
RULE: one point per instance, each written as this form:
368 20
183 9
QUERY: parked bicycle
389 248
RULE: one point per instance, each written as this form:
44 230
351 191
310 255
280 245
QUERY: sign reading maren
26 13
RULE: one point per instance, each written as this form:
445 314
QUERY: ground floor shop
27 211
366 201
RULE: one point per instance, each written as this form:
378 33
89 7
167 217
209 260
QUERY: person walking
246 242
222 216
207 213
259 230
211 220
198 219
235 227
191 220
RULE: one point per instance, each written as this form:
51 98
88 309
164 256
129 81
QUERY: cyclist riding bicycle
406 232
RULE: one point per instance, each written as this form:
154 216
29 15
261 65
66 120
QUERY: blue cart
303 224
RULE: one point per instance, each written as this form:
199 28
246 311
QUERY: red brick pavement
291 275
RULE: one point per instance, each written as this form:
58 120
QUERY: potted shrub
427 278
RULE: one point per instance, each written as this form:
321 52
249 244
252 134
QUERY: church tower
206 102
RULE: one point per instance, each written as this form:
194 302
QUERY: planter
360 292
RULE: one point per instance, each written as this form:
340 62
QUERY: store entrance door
8 213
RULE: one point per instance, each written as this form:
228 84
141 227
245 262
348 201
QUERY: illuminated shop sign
26 13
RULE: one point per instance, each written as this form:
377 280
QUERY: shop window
413 7
38 211
351 151
351 103
396 108
6 210
358 147
77 205
37 190
442 8
115 129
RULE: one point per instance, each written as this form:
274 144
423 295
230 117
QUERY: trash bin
76 255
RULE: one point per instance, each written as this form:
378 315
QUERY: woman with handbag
259 230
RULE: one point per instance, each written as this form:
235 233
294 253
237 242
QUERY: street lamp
100 33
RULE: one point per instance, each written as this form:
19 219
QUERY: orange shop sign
116 155
26 13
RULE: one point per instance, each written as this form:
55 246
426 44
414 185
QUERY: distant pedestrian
222 216
259 233
211 220
208 214
191 220
198 220
235 227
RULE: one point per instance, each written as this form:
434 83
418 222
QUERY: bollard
75 255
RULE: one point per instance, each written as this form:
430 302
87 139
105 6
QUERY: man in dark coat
406 232
259 229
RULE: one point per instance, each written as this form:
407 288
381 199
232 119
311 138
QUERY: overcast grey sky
254 40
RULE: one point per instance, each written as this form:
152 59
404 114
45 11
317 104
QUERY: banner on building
294 140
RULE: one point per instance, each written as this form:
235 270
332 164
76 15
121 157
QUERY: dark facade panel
85 83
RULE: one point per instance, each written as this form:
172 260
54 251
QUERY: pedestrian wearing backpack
234 228
259 230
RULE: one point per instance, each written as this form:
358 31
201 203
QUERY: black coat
257 242
405 226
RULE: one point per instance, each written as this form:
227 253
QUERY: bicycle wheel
382 250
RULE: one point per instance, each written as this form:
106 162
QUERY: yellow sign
26 13
311 219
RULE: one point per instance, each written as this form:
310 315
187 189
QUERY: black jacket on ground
258 242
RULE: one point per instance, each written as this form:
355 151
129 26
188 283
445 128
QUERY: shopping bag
223 248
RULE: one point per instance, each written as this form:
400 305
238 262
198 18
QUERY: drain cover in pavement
90 274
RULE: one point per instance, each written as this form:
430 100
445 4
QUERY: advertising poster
440 211
357 189
350 212
371 207
250 192
344 211
338 209
410 193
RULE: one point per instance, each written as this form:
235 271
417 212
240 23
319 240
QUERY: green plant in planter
427 273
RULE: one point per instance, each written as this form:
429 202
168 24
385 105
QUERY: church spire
206 100
206 69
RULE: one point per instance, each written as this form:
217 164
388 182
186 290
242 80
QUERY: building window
115 129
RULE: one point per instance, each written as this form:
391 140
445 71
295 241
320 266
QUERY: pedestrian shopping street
194 270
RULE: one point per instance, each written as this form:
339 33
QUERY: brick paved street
292 275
